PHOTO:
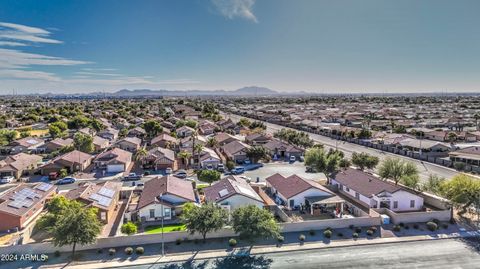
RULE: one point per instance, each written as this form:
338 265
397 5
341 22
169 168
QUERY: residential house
167 194
19 165
164 141
114 161
295 191
100 143
109 133
232 192
236 151
207 127
468 155
131 144
279 149
209 158
224 138
103 196
57 144
160 158
27 145
373 192
22 204
256 139
137 132
184 131
74 161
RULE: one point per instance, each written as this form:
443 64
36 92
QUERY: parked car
209 167
133 176
66 180
248 179
7 179
293 159
247 162
220 168
237 170
302 158
168 171
181 174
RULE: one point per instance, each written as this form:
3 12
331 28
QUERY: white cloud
17 32
236 8
12 44
27 74
10 58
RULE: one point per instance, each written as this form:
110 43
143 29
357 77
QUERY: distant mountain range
245 91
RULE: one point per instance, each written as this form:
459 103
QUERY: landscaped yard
154 229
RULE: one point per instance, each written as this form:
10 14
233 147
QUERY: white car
8 179
246 178
168 171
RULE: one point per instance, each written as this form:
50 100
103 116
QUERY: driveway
285 169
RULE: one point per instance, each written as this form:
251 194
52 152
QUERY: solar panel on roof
105 201
27 192
44 186
95 197
223 192
106 192
15 204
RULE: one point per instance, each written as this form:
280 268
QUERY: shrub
129 228
112 252
397 228
178 241
436 221
302 237
128 251
445 226
374 228
56 253
415 226
139 250
280 239
358 230
232 242
311 232
327 233
432 226
355 235
340 234
370 232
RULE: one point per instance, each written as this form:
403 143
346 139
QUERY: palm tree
212 142
184 155
256 153
140 154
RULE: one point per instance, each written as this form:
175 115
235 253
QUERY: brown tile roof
28 142
159 152
164 137
75 156
228 187
234 147
115 155
165 185
20 161
293 185
364 183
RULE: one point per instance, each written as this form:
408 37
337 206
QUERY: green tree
192 124
257 153
7 136
83 142
212 142
258 124
463 191
364 160
185 156
205 219
321 161
72 223
251 222
397 169
140 154
364 134
433 184
129 228
152 128
63 173
78 122
230 165
244 122
208 176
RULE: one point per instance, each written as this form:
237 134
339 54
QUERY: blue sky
311 45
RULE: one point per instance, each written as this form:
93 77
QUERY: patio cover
324 200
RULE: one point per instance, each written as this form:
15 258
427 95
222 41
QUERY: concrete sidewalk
255 250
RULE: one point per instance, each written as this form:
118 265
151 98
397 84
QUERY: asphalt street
424 168
451 253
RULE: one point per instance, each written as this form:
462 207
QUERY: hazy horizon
315 46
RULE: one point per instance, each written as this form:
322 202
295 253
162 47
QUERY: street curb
305 247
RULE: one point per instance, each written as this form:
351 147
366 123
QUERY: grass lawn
154 229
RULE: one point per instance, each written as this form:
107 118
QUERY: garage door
115 168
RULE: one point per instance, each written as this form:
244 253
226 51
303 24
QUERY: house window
167 212
292 203
412 203
347 189
103 215
152 213
395 204
357 195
